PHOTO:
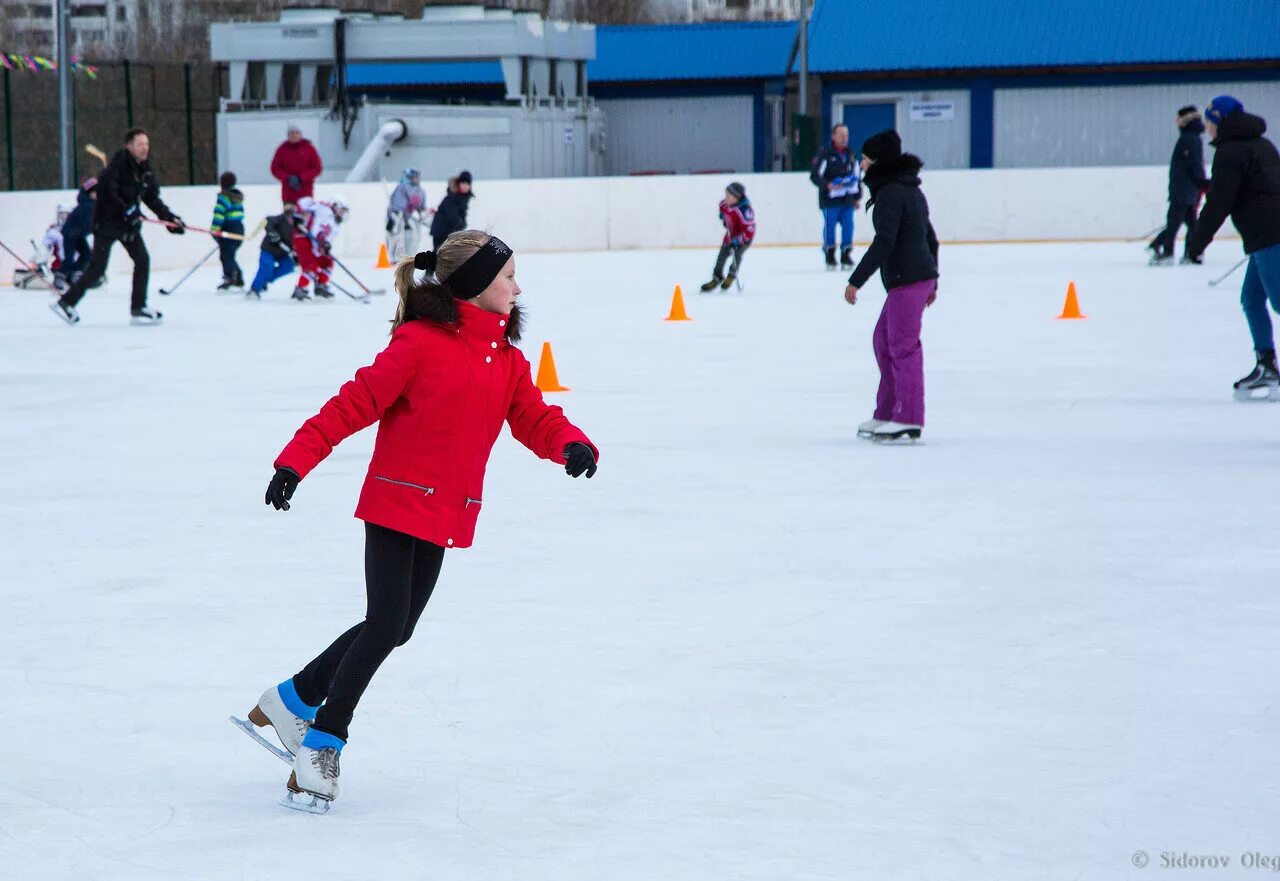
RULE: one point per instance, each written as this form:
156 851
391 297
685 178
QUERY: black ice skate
713 284
1188 260
728 281
322 291
227 284
300 294
66 313
253 294
1161 258
846 258
1263 383
146 317
830 254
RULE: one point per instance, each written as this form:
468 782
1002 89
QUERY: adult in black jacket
451 216
1186 183
123 187
1246 186
276 258
834 171
75 232
905 250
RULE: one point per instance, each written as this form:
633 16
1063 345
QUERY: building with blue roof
988 83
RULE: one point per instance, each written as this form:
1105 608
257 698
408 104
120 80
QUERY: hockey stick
96 153
217 235
1215 282
190 272
23 264
1143 238
333 284
367 290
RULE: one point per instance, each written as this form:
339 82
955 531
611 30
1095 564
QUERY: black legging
98 265
400 572
1178 215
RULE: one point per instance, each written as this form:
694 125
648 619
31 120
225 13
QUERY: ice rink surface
753 647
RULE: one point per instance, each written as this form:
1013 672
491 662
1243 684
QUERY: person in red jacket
739 220
296 165
441 391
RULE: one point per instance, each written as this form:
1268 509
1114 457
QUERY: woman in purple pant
905 250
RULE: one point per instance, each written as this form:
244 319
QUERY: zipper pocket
471 502
426 490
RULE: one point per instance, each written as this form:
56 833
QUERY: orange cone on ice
547 380
384 262
677 307
1071 308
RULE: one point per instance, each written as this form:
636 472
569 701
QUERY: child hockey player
228 216
405 215
46 265
905 250
739 221
443 388
276 259
75 232
451 216
313 241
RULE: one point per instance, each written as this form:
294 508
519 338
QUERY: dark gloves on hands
578 459
177 228
294 182
281 488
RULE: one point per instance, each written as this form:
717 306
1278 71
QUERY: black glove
281 488
177 229
578 459
294 182
391 224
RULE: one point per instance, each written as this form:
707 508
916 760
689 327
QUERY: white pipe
367 164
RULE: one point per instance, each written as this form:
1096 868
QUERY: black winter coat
1186 167
278 236
451 216
904 249
80 221
123 184
829 164
1245 185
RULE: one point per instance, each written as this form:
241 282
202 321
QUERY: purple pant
896 342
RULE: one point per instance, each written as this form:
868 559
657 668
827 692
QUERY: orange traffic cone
1071 308
547 379
384 262
677 307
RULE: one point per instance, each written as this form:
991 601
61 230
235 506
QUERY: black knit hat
227 180
882 145
464 177
737 190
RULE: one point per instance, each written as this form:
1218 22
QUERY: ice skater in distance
905 250
1245 184
739 220
441 391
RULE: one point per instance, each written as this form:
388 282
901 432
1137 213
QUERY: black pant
77 250
1179 213
725 250
98 266
227 254
400 572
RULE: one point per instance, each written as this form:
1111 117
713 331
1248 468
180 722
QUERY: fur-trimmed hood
435 304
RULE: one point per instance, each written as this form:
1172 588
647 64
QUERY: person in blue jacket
834 171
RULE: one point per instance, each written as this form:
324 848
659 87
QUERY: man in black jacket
1186 184
834 171
1246 186
123 187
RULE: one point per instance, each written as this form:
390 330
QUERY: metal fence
176 103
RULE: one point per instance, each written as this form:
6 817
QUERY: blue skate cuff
293 703
315 739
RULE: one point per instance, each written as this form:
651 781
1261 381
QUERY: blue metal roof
425 73
967 34
725 50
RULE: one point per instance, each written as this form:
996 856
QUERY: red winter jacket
739 222
442 390
299 159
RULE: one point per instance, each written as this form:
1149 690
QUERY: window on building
92 36
122 13
40 10
737 4
91 10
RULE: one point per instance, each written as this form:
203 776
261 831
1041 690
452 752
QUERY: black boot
713 284
1264 378
831 257
846 258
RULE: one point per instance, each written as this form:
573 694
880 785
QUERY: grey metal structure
294 69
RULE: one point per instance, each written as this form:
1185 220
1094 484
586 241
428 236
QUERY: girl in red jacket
440 391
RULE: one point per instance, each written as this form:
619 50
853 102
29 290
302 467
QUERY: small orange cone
1071 308
384 262
547 379
677 307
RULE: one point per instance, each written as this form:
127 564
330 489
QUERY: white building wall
1107 125
679 134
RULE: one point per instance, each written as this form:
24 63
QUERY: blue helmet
409 174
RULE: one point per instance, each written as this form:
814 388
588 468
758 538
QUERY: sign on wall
933 111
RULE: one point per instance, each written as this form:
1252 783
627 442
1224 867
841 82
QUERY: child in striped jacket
228 217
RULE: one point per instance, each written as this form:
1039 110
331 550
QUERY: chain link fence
176 103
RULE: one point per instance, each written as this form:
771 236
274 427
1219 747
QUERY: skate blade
248 728
306 802
1247 396
866 435
902 439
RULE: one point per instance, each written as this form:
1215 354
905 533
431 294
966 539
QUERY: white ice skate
272 712
868 429
314 781
897 433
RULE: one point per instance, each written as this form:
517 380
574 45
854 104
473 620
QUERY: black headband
475 274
